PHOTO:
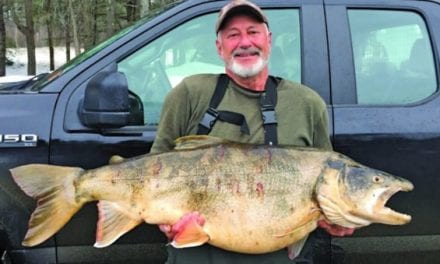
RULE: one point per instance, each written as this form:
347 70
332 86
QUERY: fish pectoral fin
189 231
309 222
294 249
113 222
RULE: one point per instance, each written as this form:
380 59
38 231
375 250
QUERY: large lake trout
243 198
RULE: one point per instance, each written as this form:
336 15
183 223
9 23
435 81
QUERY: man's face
244 44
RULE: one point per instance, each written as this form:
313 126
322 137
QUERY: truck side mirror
106 101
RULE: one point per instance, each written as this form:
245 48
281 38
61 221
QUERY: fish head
353 195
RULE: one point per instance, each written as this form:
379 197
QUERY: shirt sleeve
321 135
173 119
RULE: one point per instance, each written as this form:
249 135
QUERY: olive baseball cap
236 7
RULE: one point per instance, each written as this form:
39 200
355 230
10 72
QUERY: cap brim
239 10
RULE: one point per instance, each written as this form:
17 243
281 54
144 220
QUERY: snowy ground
19 57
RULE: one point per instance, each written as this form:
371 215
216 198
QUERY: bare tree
110 17
2 41
27 28
80 23
144 7
49 24
74 28
67 38
62 18
132 10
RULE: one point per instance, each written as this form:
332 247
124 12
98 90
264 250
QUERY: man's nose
245 42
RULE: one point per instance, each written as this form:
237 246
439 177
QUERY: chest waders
268 101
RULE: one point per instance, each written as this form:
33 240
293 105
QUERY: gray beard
247 72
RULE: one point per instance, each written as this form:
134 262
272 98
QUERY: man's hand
335 230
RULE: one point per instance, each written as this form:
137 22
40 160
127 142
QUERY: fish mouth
380 213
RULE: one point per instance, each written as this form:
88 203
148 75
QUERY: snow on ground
19 57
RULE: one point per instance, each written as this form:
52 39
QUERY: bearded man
246 105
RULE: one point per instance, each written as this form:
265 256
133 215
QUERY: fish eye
377 179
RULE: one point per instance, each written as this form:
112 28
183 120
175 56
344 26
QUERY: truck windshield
89 53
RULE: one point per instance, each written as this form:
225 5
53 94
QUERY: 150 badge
18 140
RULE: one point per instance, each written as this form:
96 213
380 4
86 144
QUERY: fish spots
157 167
292 210
218 184
197 199
220 152
259 189
236 188
115 177
269 155
259 169
232 186
141 211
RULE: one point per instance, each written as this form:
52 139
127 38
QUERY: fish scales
244 198
249 181
229 185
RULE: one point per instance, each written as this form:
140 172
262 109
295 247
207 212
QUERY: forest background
74 25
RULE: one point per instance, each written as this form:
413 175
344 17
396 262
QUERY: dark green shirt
301 114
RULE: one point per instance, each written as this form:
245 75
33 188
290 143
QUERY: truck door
155 57
25 121
384 68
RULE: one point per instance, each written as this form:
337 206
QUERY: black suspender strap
220 91
212 114
268 101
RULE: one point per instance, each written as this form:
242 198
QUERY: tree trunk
144 7
95 24
87 35
28 31
67 39
2 42
49 35
30 41
110 17
74 29
67 36
133 10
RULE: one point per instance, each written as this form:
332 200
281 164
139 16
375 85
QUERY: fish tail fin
53 188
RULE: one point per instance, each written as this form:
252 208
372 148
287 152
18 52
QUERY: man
245 105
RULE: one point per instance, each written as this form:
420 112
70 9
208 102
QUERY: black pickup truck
375 63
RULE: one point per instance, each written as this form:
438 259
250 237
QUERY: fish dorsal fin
193 142
115 159
113 222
